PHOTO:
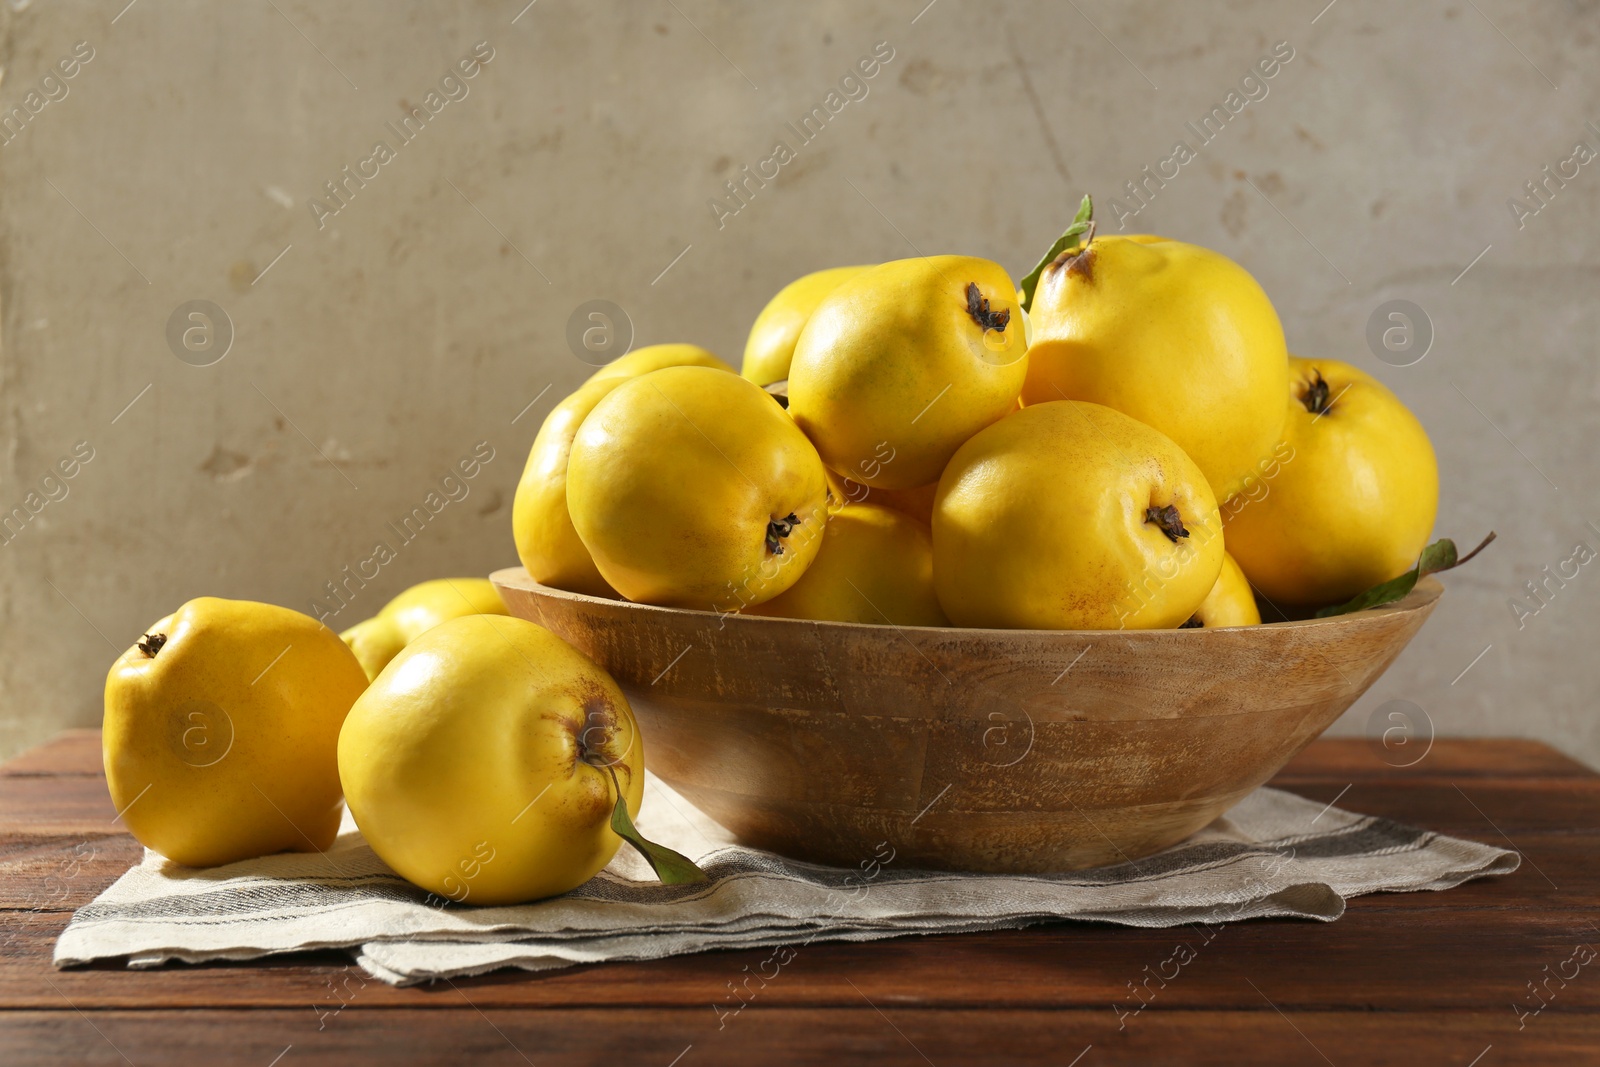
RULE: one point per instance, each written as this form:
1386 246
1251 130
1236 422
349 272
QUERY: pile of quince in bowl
1122 442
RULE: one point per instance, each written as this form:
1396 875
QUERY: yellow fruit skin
673 481
654 357
463 762
1230 602
770 346
547 543
1040 523
375 642
875 566
916 502
1353 503
891 373
223 745
414 612
426 604
1175 335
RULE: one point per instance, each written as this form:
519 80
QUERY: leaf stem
1481 546
673 868
1082 223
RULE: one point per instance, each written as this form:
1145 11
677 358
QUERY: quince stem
673 868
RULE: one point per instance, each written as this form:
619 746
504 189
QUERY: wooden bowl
964 749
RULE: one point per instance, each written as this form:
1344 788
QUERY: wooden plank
1485 809
1401 977
81 805
1560 872
60 872
72 804
69 752
873 1030
1370 959
1353 758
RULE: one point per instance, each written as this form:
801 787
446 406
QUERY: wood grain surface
1412 978
988 750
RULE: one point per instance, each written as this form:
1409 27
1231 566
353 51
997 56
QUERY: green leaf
1081 224
1439 556
673 868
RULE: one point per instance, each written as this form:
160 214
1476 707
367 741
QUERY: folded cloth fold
1273 855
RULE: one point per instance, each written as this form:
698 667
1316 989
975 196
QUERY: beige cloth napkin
1274 854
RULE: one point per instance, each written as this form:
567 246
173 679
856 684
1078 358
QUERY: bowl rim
1422 596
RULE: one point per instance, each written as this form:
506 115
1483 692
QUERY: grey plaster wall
373 347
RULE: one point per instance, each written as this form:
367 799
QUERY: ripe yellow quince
414 612
1175 335
375 642
654 357
1072 516
875 565
221 731
547 543
1353 503
902 363
478 765
691 487
770 346
426 604
1230 602
916 502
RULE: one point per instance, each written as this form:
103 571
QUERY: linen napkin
1274 854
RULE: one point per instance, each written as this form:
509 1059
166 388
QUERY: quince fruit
1174 335
875 565
375 642
221 731
654 357
770 346
479 764
916 501
902 363
1073 516
547 543
414 612
1353 502
1230 602
691 487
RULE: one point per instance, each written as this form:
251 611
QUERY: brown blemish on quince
1079 259
599 719
591 738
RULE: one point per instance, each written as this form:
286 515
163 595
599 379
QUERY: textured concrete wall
374 346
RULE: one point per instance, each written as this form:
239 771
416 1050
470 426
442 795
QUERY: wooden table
1411 979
